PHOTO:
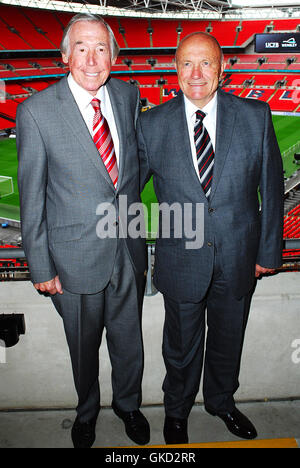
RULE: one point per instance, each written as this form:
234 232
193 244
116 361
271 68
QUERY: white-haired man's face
89 58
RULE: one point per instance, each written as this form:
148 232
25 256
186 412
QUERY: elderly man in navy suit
211 148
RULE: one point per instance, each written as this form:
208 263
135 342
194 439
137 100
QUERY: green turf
148 198
288 134
287 131
9 206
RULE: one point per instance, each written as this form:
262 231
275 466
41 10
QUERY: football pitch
287 132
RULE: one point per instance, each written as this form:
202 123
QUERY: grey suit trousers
118 309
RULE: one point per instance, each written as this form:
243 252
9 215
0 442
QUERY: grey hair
65 43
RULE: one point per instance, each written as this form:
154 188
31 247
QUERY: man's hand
51 287
259 270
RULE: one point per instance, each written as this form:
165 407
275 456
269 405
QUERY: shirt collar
82 97
209 109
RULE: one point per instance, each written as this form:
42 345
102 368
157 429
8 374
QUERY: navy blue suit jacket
236 228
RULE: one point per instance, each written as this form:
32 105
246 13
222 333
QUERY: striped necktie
205 153
104 142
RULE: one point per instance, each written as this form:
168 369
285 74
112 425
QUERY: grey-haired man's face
199 66
89 56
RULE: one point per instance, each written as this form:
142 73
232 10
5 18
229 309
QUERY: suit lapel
180 136
72 116
118 108
225 125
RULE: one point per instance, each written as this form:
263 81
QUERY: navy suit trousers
211 331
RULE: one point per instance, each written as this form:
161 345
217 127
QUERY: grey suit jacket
62 181
247 158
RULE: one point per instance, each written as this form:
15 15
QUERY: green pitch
9 206
287 131
288 134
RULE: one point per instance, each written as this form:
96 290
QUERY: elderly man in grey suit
77 155
213 149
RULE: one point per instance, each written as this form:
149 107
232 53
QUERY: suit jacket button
210 244
211 210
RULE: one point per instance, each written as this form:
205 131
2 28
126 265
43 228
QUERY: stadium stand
163 29
12 268
29 28
52 27
18 23
249 28
190 26
30 40
131 29
292 212
271 78
5 123
224 31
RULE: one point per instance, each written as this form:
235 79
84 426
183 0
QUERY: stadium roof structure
168 5
193 9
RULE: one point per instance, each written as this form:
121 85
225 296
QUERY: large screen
280 42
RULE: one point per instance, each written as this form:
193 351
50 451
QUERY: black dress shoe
136 425
84 434
175 431
237 423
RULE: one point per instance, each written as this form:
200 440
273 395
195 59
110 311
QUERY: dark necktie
104 143
205 153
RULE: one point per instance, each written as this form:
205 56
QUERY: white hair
65 43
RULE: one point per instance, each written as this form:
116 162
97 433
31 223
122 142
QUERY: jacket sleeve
272 199
32 182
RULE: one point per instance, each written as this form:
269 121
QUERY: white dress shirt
210 123
83 99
